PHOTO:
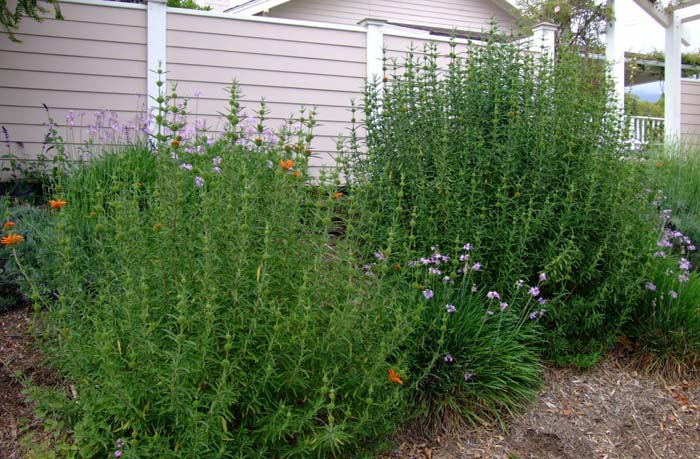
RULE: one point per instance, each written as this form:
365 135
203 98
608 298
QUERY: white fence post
544 39
375 48
156 49
615 53
672 80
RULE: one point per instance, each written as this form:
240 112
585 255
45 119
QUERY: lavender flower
450 308
216 169
651 287
660 254
412 264
683 277
434 271
489 312
198 182
673 294
475 288
449 358
684 264
379 256
428 294
493 295
533 315
467 376
117 453
467 247
446 279
534 291
217 161
464 258
543 277
541 301
692 248
186 166
519 284
270 165
476 266
504 306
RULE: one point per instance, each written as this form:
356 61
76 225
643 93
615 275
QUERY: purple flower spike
541 301
450 308
533 315
493 296
428 294
534 291
449 358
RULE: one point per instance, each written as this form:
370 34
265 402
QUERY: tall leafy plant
523 158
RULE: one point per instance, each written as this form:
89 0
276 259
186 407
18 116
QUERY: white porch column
672 79
615 53
156 49
375 48
544 39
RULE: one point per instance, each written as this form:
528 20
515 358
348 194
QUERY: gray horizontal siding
92 60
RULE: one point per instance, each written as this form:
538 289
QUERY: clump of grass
522 158
202 309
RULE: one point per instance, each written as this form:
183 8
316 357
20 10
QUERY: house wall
448 14
288 65
97 59
690 110
94 59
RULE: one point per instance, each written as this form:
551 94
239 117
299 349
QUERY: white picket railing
645 129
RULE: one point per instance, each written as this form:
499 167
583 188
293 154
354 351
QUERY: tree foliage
10 19
581 22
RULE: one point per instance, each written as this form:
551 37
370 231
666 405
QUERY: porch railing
646 129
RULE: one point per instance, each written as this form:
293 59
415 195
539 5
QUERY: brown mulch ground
611 412
18 356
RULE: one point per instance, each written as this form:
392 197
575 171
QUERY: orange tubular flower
57 204
8 225
337 195
12 239
394 377
286 165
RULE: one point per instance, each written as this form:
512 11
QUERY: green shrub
30 223
203 310
523 159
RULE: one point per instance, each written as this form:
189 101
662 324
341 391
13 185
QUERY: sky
643 34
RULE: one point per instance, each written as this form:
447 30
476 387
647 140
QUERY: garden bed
610 412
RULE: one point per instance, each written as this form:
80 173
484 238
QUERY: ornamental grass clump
664 328
204 311
523 158
474 353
